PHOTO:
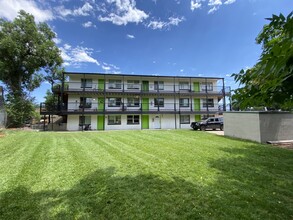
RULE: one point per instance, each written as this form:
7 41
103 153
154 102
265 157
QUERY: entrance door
101 102
101 122
145 104
145 86
144 122
196 106
196 86
157 122
101 84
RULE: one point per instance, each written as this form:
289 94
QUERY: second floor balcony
140 88
121 108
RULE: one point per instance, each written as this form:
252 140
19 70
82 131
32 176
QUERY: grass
166 174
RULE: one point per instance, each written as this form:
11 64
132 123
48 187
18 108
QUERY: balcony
150 89
77 108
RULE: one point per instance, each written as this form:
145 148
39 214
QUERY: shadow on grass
101 195
250 184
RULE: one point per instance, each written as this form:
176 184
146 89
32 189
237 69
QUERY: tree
50 101
28 56
270 81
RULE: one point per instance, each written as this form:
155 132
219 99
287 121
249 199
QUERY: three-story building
118 101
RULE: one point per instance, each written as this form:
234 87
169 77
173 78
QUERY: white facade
115 102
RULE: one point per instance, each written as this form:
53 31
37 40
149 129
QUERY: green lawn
166 174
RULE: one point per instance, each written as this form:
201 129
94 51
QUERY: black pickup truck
210 123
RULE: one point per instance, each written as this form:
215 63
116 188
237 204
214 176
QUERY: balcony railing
150 107
150 88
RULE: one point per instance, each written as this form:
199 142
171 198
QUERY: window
207 86
184 102
133 84
132 119
184 119
114 102
114 120
86 83
208 103
84 120
159 102
85 102
114 84
133 102
183 85
159 85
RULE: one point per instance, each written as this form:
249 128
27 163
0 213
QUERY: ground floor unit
131 121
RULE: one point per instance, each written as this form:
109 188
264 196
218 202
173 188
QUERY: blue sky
162 37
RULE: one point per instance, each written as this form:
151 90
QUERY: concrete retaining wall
259 126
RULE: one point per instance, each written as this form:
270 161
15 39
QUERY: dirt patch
285 146
282 144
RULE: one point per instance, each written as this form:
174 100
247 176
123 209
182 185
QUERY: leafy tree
50 101
19 109
270 81
28 55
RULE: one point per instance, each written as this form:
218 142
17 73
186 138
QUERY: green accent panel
145 104
101 84
145 122
145 86
101 104
196 104
101 122
197 117
196 87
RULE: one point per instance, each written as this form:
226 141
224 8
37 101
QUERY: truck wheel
202 128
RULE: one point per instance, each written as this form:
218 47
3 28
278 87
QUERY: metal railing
140 88
98 108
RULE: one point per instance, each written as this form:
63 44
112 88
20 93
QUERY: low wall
259 126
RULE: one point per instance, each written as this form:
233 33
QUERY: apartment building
117 101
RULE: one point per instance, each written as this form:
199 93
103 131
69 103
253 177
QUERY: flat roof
137 75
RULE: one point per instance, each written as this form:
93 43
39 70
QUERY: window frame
206 103
115 84
116 119
183 106
133 119
84 119
209 86
159 85
158 102
116 102
133 84
182 87
83 102
134 103
182 121
86 83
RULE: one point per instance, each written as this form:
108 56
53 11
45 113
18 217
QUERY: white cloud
88 24
57 40
215 2
84 10
129 36
110 67
106 68
213 9
9 9
173 21
124 12
77 55
228 2
212 5
81 11
195 4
